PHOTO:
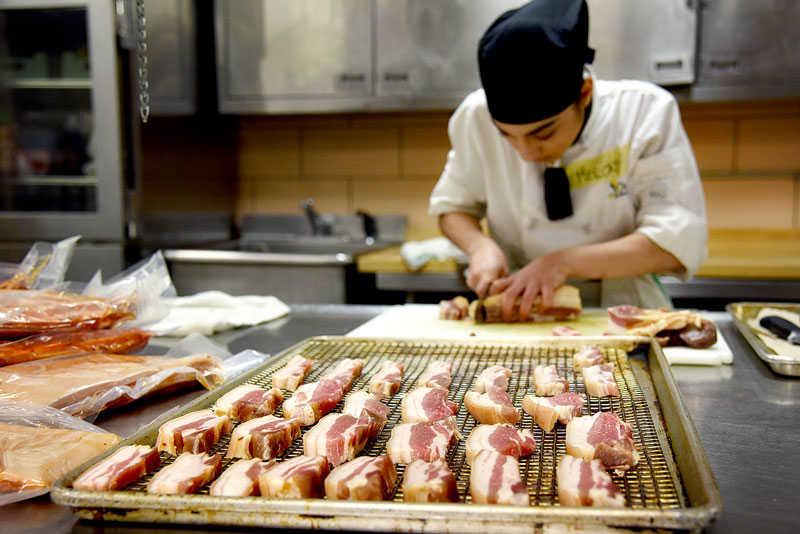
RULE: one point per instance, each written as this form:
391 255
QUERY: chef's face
546 140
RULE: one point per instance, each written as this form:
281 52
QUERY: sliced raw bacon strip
423 405
437 375
298 478
599 380
547 410
505 439
604 437
564 331
387 381
455 309
362 403
194 432
429 482
240 479
115 341
587 357
495 479
586 483
492 378
248 401
265 437
420 441
363 479
345 372
337 437
187 474
311 401
491 408
125 466
292 374
547 382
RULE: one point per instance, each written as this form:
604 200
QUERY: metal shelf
52 180
49 83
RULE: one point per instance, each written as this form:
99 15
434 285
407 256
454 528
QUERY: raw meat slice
194 432
429 482
566 306
437 375
455 309
387 381
562 330
125 466
292 374
495 479
547 382
423 405
587 357
420 441
493 377
187 474
505 439
603 436
265 437
240 479
248 401
338 437
669 327
363 479
34 457
491 408
547 410
360 403
599 380
116 341
586 483
298 478
311 401
345 372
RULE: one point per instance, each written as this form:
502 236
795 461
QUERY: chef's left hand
541 276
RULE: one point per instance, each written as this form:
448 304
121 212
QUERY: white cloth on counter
417 253
214 311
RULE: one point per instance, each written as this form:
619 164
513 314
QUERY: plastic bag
40 444
44 266
116 341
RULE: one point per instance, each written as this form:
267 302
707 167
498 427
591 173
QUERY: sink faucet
319 225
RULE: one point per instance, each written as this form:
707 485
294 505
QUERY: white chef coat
632 169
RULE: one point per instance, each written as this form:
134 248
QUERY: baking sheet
782 357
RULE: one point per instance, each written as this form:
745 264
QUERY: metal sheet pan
672 487
741 312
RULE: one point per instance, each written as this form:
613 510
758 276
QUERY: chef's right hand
487 263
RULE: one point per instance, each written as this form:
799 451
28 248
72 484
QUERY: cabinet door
273 50
644 39
430 48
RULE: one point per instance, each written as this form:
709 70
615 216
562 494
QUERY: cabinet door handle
395 77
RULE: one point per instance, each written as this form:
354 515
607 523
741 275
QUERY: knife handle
779 326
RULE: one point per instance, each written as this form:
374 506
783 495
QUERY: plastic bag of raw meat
45 265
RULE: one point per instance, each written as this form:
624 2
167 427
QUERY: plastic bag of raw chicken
45 265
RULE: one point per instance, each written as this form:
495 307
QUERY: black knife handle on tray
782 328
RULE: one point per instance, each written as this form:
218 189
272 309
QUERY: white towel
417 253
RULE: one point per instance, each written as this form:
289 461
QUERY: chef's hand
487 263
542 277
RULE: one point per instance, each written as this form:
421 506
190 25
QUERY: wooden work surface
753 254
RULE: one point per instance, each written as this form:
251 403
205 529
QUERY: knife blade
480 311
782 328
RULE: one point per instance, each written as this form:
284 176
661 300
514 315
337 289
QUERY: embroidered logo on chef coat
608 167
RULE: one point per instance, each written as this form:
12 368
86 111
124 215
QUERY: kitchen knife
782 328
480 311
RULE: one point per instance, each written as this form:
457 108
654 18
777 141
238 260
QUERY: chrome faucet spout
319 224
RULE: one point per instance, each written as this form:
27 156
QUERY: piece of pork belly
359 403
565 331
337 437
424 405
122 468
436 375
566 306
420 441
492 378
547 410
386 382
455 309
194 432
311 401
491 408
586 483
429 482
599 380
505 439
587 357
495 479
605 437
299 478
292 374
265 437
364 479
248 401
547 382
240 479
187 474
345 372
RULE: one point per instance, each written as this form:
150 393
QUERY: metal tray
741 312
672 487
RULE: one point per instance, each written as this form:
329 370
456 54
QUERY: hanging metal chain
141 54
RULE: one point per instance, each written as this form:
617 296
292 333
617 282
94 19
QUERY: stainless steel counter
747 418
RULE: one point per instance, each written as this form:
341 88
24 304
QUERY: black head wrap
531 60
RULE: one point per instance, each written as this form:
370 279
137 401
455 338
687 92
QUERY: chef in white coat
582 180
